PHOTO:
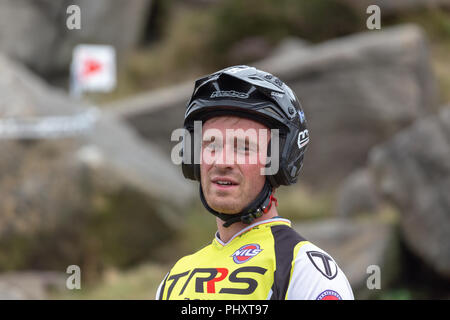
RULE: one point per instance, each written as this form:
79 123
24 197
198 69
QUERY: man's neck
226 233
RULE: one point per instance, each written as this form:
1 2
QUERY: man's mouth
224 183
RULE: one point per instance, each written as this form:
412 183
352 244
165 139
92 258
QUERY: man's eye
243 148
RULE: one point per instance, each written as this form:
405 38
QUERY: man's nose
225 157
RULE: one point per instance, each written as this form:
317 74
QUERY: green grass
396 294
441 66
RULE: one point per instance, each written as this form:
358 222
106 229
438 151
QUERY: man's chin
223 206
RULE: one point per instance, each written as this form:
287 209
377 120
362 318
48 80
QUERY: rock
87 193
155 114
24 95
41 27
140 162
356 245
288 45
30 285
120 145
248 49
412 170
356 92
357 194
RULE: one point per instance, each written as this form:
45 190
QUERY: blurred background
86 179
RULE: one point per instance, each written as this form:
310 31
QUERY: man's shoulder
313 273
314 257
286 239
294 244
316 269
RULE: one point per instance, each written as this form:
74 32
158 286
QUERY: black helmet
250 93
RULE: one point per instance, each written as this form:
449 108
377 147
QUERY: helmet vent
271 110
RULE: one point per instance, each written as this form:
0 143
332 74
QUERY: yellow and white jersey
266 260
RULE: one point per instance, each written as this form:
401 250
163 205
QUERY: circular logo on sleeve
329 295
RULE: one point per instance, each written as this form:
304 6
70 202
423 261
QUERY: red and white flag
93 68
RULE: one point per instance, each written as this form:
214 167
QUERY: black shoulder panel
285 239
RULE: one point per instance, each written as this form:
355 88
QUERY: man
253 139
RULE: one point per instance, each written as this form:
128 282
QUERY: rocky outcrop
356 92
45 41
412 170
77 186
357 194
355 246
30 285
155 114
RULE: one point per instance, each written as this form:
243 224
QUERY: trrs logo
245 253
211 277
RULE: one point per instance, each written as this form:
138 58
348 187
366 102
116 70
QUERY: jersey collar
272 220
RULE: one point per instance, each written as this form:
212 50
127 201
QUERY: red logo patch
329 295
245 253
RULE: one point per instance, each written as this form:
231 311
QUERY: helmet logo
277 94
231 93
301 115
303 138
237 69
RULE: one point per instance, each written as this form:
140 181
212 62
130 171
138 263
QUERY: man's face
234 152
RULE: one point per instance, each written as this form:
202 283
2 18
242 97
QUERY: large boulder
35 32
155 114
356 92
31 285
412 170
78 186
356 246
357 194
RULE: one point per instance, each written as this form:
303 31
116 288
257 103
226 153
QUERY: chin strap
259 206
